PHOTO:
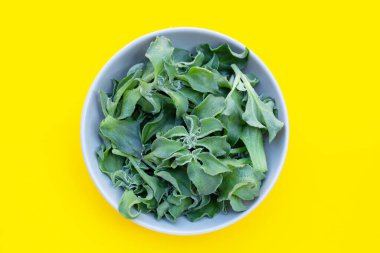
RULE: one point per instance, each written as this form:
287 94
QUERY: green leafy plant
183 135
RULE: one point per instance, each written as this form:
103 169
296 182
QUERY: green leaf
182 160
146 90
234 127
253 140
163 148
192 123
177 210
217 145
126 179
157 186
155 101
170 71
145 105
271 104
128 103
208 126
179 101
257 113
213 63
233 101
192 95
199 201
109 163
205 183
148 73
123 134
162 123
207 52
127 83
231 162
251 114
197 61
237 204
220 79
175 198
149 200
209 210
103 102
177 131
107 143
231 116
184 156
135 68
181 55
253 79
212 165
201 79
249 192
134 72
243 179
128 200
162 209
178 178
115 85
210 107
225 55
158 51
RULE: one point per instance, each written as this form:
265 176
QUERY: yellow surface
325 56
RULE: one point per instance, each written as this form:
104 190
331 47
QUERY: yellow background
325 56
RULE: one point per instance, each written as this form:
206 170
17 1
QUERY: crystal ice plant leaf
183 134
123 134
257 113
158 51
226 57
201 79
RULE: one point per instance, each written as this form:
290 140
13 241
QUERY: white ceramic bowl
118 66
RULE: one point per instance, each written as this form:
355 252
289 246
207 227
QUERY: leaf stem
236 81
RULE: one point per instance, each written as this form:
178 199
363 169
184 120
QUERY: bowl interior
118 66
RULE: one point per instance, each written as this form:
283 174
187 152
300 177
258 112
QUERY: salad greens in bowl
184 131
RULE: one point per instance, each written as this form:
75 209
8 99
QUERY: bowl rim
263 194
